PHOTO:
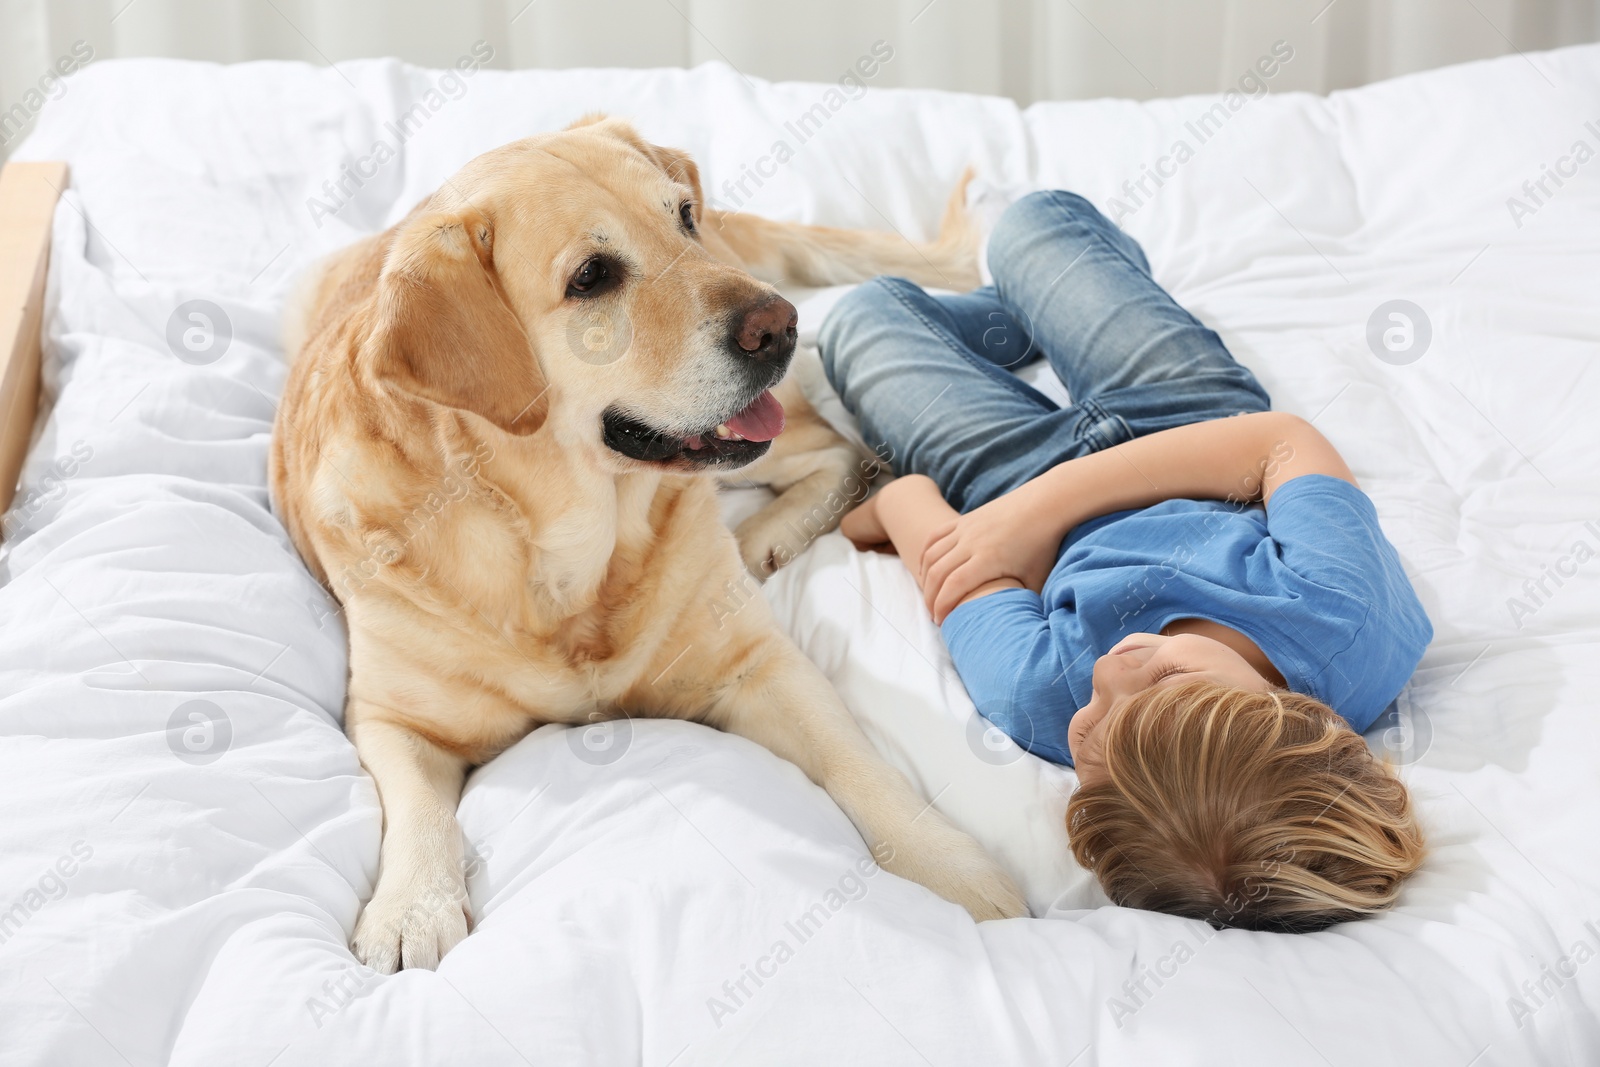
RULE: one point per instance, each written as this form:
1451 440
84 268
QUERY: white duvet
188 836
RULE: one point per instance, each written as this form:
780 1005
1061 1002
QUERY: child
1166 585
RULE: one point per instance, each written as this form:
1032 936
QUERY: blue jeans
931 377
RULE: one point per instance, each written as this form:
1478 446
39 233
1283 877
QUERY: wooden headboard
28 195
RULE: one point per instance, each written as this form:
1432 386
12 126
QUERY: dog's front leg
817 474
785 703
418 910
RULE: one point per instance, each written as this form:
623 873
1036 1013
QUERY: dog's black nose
768 330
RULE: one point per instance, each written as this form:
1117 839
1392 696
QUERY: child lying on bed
1197 611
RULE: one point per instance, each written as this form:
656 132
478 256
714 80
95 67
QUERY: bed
188 834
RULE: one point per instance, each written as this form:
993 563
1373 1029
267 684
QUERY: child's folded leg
1114 336
929 404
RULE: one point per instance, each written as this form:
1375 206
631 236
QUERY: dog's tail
788 253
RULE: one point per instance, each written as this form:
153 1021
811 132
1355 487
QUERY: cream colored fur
439 462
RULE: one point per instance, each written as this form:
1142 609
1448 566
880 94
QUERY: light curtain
1026 49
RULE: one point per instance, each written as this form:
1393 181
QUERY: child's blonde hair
1260 810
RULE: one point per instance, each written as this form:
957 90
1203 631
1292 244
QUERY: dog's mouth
741 438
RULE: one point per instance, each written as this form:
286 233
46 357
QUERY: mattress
188 836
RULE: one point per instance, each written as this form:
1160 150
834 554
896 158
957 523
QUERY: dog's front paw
767 543
411 923
956 867
990 894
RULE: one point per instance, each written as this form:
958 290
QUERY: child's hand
997 541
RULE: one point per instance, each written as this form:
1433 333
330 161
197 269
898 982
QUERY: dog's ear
681 168
443 329
674 162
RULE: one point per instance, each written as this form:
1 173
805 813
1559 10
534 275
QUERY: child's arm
1002 648
905 514
1017 536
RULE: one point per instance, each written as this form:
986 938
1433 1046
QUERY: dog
493 448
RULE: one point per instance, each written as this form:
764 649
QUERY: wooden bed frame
28 195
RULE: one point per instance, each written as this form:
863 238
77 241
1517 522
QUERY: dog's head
559 284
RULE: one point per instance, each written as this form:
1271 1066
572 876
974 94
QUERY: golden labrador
492 448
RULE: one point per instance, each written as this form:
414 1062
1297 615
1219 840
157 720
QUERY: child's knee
1248 397
1037 212
865 309
1056 214
881 298
1046 206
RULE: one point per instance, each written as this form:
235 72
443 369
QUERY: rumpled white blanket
188 836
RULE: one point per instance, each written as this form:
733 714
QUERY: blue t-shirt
1312 581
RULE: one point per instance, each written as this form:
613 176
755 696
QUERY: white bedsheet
192 905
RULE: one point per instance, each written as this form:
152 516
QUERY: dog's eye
686 213
590 276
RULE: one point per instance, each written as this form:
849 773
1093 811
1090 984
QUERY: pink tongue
761 421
